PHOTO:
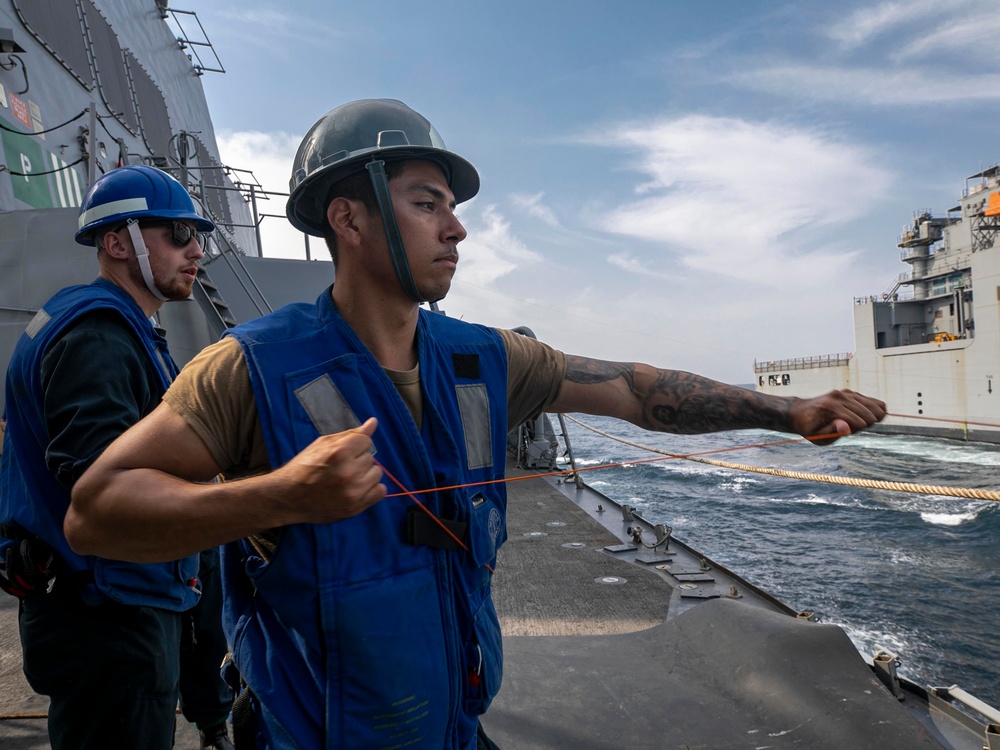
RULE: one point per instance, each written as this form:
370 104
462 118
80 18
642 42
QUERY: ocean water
918 575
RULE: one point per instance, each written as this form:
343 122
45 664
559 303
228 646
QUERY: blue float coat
32 499
349 636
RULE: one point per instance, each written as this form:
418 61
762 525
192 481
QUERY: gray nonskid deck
681 654
554 578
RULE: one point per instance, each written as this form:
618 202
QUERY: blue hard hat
135 192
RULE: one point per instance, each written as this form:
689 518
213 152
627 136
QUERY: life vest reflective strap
326 406
37 323
474 406
166 369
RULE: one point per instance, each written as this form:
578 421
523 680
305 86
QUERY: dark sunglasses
181 234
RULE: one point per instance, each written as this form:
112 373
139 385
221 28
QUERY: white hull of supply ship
930 346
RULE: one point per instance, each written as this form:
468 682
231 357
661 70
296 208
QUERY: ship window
153 116
112 75
57 25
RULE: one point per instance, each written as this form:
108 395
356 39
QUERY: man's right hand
336 477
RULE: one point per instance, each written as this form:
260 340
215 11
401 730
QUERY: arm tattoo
674 401
686 403
589 371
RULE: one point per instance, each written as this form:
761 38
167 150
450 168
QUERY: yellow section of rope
875 484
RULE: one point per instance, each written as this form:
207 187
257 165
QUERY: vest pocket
483 660
487 529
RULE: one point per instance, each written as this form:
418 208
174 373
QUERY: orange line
424 508
412 493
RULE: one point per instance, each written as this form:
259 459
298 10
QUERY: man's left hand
824 419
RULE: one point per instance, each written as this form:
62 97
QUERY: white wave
686 468
738 484
899 556
814 499
947 451
941 511
948 519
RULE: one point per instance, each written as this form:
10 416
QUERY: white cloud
263 26
533 205
491 250
736 198
629 263
868 23
969 37
897 54
268 156
912 87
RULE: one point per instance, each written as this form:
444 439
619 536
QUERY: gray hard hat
346 138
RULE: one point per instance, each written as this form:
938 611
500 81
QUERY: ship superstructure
929 346
88 86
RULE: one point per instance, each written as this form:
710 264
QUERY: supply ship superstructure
929 346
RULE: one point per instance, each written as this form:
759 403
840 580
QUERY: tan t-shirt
214 396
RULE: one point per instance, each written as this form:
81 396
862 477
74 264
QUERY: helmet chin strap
142 255
380 183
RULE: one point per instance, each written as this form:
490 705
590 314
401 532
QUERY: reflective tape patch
474 406
126 205
37 323
326 406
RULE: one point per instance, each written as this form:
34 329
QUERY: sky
691 185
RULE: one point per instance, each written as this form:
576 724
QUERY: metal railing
802 363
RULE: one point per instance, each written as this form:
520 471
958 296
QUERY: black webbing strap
422 531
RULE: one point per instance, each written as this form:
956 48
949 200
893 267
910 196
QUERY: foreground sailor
101 637
356 622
